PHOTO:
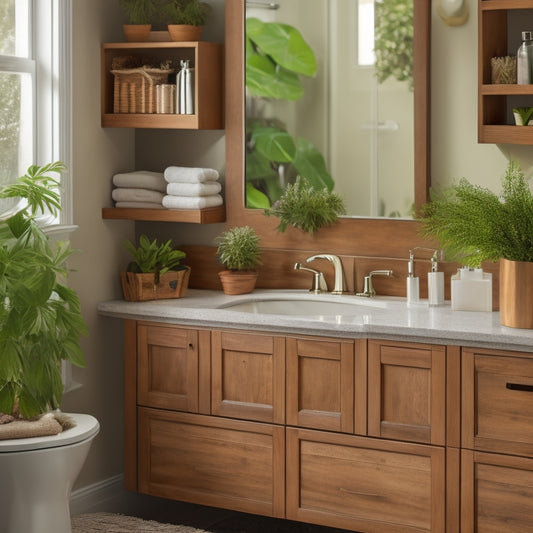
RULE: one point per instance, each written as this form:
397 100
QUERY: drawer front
497 396
407 391
248 376
320 384
212 461
361 484
167 367
497 493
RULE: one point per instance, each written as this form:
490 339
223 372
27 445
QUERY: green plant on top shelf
473 224
153 257
189 12
140 11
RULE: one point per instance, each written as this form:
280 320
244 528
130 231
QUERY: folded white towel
191 202
136 195
141 179
194 189
139 205
190 174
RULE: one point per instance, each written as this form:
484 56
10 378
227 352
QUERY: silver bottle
185 92
524 59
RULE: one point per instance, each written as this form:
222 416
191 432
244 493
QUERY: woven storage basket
134 89
141 287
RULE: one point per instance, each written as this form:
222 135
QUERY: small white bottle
524 59
413 283
435 283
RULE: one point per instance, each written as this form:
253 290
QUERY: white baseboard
106 495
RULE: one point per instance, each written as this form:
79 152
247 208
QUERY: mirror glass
329 96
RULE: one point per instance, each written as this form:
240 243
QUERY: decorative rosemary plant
473 224
139 11
190 12
307 208
238 248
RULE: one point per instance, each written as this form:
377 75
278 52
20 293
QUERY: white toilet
37 475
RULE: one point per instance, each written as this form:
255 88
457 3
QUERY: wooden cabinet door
167 367
496 493
497 396
248 376
320 383
407 391
363 484
212 461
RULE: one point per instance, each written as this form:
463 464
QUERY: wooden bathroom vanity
342 422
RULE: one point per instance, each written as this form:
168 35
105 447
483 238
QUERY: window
34 89
365 33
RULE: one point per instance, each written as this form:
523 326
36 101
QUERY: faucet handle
368 286
319 282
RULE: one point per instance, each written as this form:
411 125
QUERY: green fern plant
238 248
474 224
40 317
307 208
153 257
139 11
190 12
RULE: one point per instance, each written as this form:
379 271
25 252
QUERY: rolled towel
141 179
190 174
191 202
136 195
139 205
208 188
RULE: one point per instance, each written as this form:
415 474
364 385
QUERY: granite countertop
379 317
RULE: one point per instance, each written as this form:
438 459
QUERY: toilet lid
86 427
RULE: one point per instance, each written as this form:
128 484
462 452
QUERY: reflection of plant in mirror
276 56
307 208
393 42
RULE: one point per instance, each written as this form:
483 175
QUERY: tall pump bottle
524 59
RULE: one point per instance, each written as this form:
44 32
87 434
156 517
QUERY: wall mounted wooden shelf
209 215
500 23
207 60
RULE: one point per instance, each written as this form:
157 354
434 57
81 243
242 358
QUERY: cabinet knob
191 345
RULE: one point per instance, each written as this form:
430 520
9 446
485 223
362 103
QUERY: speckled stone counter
378 318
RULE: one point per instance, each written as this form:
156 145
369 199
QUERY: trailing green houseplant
239 251
304 207
474 224
40 318
277 59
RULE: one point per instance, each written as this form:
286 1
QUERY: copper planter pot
516 294
237 282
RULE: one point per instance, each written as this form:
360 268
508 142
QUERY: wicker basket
141 287
134 89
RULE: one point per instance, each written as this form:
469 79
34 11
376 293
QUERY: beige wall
98 153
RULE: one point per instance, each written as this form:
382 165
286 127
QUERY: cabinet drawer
407 391
212 461
497 493
362 484
167 367
320 384
248 376
497 396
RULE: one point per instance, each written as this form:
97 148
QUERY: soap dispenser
435 283
413 283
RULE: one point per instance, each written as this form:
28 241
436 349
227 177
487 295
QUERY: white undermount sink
306 306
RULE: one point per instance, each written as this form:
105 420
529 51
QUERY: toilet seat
86 427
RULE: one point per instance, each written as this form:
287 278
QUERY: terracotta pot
137 33
516 294
238 282
184 32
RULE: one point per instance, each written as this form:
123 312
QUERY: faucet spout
340 282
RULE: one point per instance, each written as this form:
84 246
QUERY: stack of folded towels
192 188
141 189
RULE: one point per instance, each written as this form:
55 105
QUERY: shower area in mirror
357 110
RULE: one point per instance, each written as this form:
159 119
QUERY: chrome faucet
319 283
340 283
368 287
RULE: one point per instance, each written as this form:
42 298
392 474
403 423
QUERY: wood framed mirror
376 237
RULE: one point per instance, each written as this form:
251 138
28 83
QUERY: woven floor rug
116 523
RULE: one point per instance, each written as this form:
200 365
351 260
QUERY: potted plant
307 208
40 318
474 224
523 116
155 271
140 13
239 252
186 19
